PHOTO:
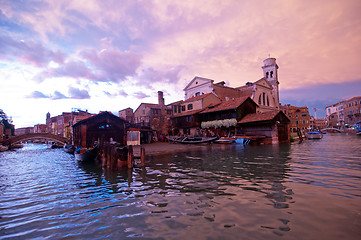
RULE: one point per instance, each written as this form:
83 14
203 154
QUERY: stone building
127 114
155 116
352 108
346 113
299 116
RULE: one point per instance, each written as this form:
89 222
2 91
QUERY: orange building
299 116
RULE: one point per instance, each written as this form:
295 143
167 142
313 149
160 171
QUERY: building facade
154 116
299 117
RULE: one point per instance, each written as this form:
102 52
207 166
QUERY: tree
5 120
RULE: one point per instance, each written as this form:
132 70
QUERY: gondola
69 148
86 155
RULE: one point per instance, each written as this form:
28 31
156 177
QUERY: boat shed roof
263 117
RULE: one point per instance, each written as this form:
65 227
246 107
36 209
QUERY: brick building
299 116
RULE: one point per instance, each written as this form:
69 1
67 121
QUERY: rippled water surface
310 190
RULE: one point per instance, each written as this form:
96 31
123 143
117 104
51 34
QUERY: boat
3 148
69 148
224 140
314 135
86 154
191 140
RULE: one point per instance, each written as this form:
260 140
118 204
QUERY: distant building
346 112
40 128
352 108
318 123
61 124
155 116
299 116
127 114
25 130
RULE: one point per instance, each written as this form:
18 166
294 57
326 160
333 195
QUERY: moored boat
3 148
69 148
314 135
224 140
192 140
86 155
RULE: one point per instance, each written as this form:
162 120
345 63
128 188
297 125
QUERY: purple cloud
37 95
123 93
28 52
58 95
76 93
140 95
150 75
113 65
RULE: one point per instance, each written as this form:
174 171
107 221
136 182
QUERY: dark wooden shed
272 125
105 126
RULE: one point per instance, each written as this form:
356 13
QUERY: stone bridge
331 130
29 136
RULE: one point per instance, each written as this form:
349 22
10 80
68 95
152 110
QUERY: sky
108 55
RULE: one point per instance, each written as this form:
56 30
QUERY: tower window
267 74
271 74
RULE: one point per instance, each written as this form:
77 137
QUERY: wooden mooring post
114 156
142 156
130 157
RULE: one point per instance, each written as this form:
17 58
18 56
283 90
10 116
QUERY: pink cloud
113 65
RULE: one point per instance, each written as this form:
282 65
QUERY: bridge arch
29 136
331 130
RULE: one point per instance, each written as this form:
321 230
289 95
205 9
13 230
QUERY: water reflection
308 190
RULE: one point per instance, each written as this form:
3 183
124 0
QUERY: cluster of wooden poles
115 157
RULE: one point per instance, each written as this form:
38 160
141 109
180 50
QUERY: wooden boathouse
105 126
271 127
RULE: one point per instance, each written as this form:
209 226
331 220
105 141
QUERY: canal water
309 190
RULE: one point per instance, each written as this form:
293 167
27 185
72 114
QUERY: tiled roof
259 117
187 113
226 105
197 97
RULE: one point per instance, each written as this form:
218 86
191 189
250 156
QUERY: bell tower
270 73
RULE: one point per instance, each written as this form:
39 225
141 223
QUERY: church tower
270 73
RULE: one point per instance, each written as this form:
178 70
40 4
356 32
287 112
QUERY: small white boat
314 135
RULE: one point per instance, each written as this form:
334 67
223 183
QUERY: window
267 74
259 100
183 108
264 99
175 109
267 101
271 74
197 94
190 106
